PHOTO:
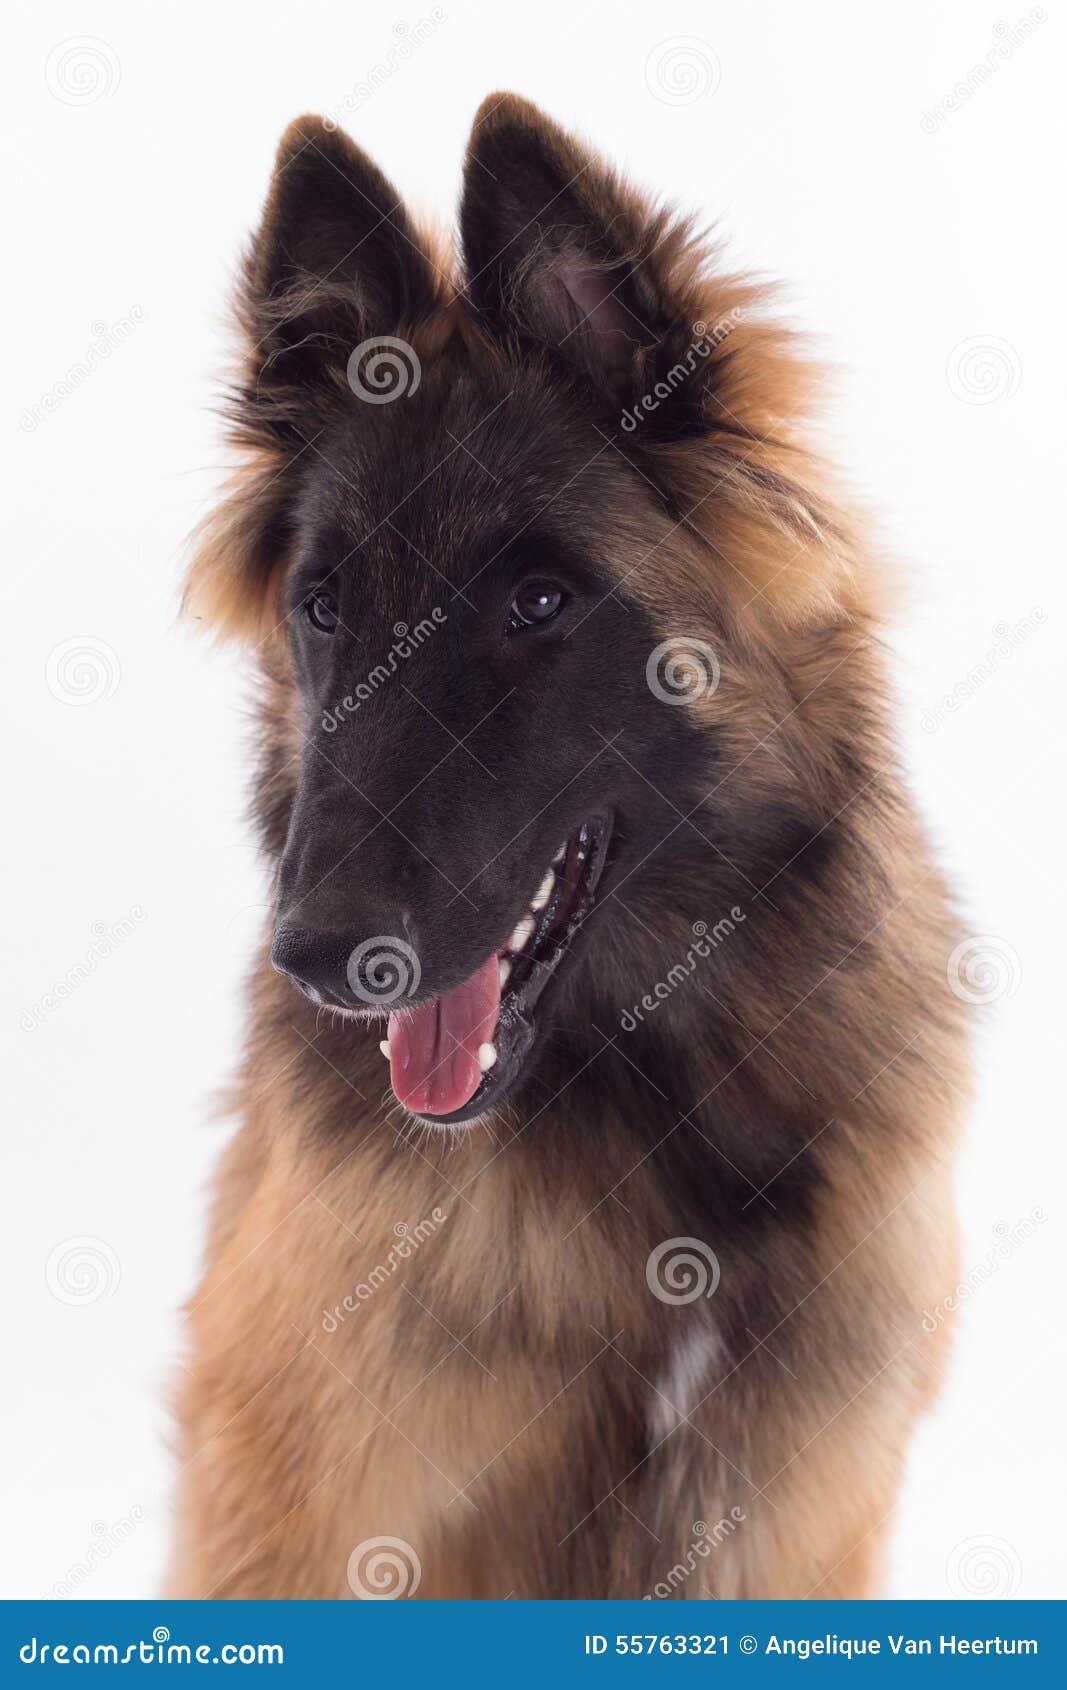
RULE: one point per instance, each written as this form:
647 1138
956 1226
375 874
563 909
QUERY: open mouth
453 1057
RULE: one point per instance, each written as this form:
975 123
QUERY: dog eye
321 611
537 601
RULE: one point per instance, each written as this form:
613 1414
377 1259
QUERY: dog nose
317 962
345 968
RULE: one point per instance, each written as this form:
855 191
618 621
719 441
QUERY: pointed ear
559 252
335 261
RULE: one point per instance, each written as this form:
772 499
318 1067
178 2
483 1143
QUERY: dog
593 1164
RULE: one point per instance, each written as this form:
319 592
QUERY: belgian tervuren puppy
591 1173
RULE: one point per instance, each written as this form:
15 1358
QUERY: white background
135 165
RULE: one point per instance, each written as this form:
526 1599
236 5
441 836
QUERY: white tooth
522 933
486 1056
505 970
384 1047
560 855
544 891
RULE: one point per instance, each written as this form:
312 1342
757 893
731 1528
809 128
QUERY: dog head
523 552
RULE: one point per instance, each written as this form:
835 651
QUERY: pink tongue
433 1050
